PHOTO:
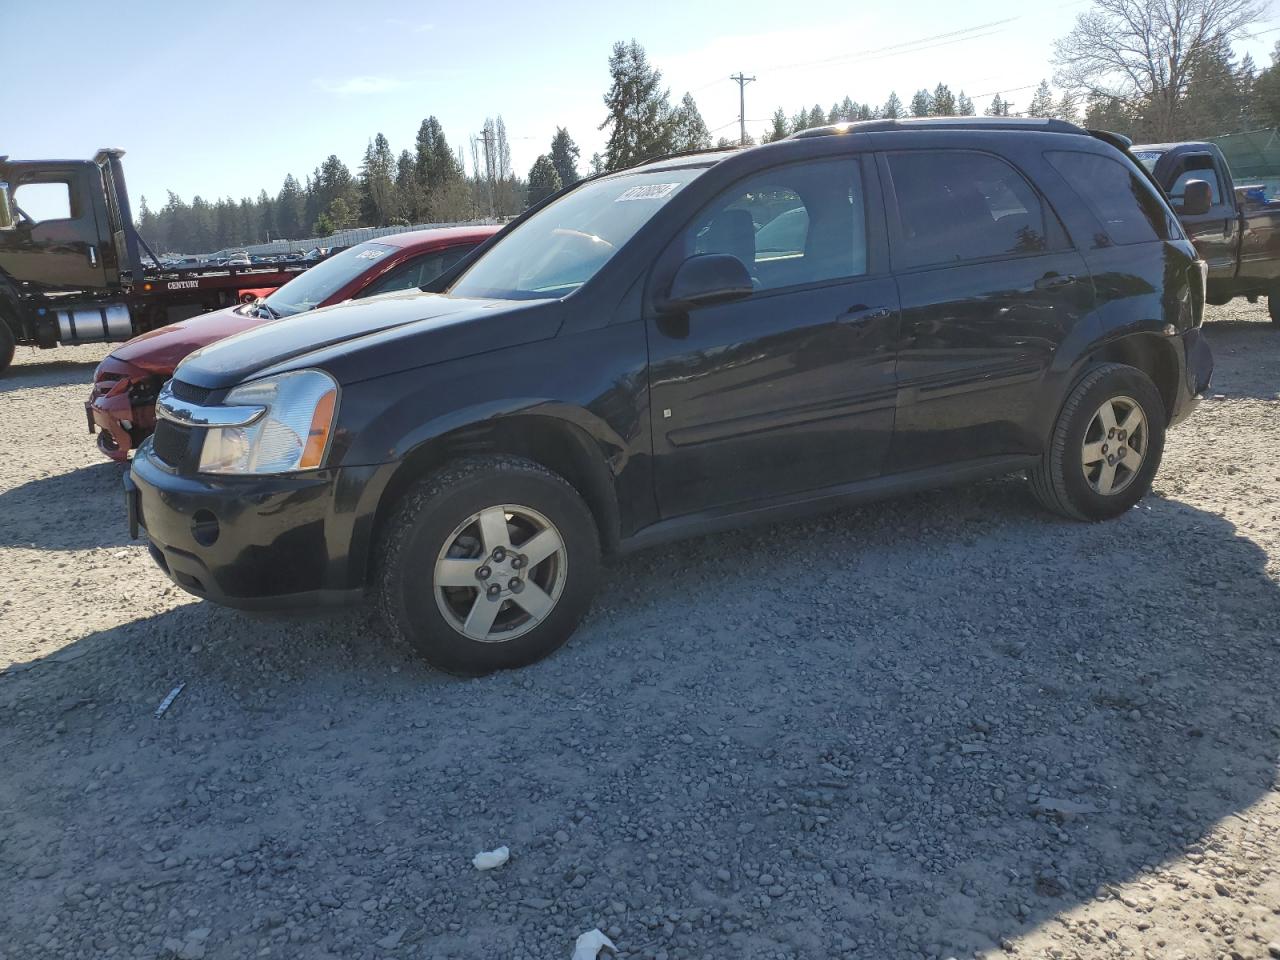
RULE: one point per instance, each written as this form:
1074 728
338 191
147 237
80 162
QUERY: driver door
56 243
791 389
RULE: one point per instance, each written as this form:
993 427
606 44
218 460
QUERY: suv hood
362 339
159 351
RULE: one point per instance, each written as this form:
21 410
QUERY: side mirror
6 211
1197 198
706 279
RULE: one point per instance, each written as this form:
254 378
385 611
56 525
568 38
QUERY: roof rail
932 123
684 153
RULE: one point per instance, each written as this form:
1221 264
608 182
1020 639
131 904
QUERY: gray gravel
945 726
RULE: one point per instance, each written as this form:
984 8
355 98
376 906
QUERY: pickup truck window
44 201
1196 166
567 242
799 224
956 205
1126 206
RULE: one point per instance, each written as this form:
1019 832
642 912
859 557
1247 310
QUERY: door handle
1052 280
93 255
862 314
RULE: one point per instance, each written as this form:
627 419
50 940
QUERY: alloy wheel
500 573
1115 445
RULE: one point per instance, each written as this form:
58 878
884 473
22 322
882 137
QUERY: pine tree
943 102
408 199
964 106
849 111
639 110
999 107
1266 92
544 180
377 183
921 104
1216 97
817 117
564 157
779 130
1041 104
289 209
892 109
1067 109
688 131
800 121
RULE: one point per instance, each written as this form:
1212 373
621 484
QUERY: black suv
683 346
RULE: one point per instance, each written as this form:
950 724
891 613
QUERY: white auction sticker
650 191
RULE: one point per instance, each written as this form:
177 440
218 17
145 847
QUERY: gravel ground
945 726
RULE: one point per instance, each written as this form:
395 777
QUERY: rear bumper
1197 375
256 543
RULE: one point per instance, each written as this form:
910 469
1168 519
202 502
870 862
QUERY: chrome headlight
290 433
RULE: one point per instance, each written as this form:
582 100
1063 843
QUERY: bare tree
1141 51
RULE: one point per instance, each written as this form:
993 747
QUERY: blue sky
224 98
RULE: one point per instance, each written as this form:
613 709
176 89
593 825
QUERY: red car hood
159 351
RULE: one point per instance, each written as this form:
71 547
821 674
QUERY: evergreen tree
800 121
964 106
332 181
323 227
544 180
564 157
943 102
1041 104
266 218
999 107
688 131
289 209
1067 109
1110 113
203 232
921 104
817 117
377 183
639 110
1266 93
1217 94
849 111
779 130
409 200
340 214
892 109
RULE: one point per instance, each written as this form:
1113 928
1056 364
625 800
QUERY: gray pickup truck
1237 232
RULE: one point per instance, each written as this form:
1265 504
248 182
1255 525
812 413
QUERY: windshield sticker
370 254
650 191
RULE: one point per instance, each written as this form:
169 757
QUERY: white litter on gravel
590 944
489 859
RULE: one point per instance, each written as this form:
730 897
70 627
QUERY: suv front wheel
1105 447
488 565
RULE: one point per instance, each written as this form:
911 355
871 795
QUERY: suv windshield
565 244
308 290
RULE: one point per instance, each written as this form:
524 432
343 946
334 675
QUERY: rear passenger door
990 287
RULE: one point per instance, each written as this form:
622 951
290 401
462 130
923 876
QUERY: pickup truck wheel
7 345
1105 447
488 565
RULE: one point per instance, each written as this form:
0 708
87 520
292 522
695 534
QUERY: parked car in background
625 365
121 405
1234 227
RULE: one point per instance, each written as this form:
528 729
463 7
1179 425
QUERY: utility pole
742 104
487 139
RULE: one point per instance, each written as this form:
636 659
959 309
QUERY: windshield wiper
264 310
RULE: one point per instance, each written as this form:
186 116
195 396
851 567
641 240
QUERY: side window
799 224
1196 168
44 201
414 273
1125 204
956 205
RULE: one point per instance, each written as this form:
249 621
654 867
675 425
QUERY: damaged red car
121 408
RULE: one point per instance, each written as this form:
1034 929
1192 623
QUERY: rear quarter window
1125 205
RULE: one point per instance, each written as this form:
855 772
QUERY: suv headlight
292 432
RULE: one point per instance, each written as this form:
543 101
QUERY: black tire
429 515
1273 307
1060 481
7 345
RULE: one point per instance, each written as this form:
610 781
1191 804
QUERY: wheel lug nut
494 591
1105 448
483 573
1111 459
516 585
517 563
499 555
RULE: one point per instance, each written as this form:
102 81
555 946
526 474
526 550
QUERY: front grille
171 443
190 394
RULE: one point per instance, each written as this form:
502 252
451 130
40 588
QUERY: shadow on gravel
1237 344
912 730
78 510
53 373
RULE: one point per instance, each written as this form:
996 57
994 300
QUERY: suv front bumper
258 542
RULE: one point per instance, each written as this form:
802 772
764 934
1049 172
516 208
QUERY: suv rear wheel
488 565
1105 447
